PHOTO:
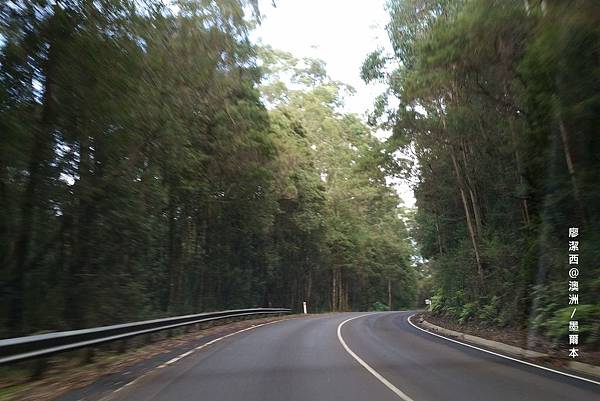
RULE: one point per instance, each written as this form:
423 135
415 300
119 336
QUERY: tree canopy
154 161
498 102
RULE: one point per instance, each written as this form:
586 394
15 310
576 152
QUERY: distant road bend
349 357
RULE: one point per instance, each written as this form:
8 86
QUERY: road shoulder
68 379
531 357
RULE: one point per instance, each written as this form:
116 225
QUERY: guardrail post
88 355
122 346
40 366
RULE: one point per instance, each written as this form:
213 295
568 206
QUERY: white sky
340 32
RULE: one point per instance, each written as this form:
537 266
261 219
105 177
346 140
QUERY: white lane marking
177 358
369 369
108 396
503 356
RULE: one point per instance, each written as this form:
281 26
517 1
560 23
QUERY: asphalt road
384 359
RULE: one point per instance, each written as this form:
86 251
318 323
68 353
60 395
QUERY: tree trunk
340 290
389 285
333 290
78 290
438 233
517 155
346 292
461 186
173 260
564 135
472 194
41 152
308 286
468 216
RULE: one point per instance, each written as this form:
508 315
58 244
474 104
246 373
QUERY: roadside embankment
542 354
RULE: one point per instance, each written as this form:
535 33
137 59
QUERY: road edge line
501 355
368 368
108 396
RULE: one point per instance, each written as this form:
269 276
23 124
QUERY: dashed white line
369 369
177 358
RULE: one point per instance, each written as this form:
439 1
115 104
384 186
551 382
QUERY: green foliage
588 330
153 161
468 312
364 241
437 303
372 68
498 101
489 313
379 307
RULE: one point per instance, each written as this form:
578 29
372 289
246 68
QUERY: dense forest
498 103
154 162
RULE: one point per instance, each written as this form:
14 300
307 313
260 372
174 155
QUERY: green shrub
489 312
469 311
379 307
437 304
557 327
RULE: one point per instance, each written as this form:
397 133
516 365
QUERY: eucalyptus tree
485 108
364 245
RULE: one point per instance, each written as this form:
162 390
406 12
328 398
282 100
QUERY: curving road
372 357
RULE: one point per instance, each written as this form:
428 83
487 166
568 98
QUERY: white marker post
304 307
428 302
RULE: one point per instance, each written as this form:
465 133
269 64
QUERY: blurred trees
363 239
499 102
141 174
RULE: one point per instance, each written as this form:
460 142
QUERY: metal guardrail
22 348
